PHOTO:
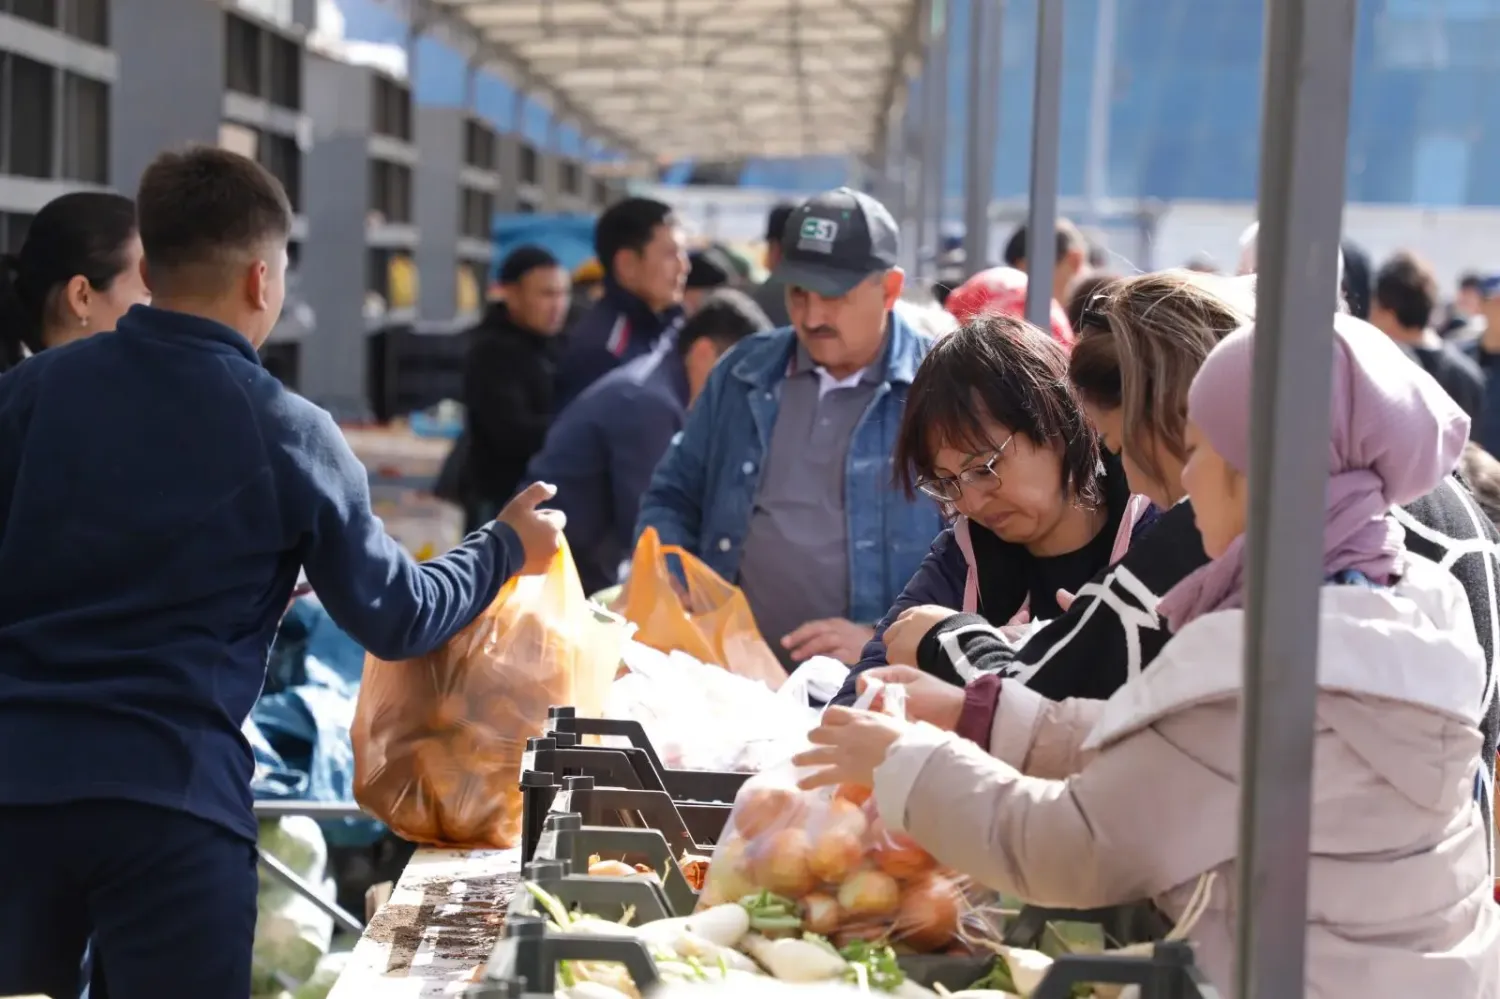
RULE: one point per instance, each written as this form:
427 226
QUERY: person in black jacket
509 376
1403 304
1135 358
75 274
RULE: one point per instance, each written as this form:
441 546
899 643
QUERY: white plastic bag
705 718
291 933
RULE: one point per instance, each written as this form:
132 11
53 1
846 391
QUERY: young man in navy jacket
159 493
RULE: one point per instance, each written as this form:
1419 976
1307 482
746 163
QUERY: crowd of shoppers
1038 534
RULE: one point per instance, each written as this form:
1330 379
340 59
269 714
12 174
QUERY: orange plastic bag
709 619
438 740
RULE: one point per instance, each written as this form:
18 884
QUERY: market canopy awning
711 79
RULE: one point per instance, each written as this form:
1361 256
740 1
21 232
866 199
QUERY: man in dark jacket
771 294
644 255
602 450
1402 306
508 379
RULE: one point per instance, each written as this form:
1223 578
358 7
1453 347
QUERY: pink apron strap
971 577
1135 509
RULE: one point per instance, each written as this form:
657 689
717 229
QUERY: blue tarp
569 238
299 729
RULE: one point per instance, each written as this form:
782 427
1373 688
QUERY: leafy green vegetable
997 978
873 966
771 914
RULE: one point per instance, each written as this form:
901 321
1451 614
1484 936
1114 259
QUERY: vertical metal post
939 112
1101 96
984 107
1046 112
925 123
1305 93
912 186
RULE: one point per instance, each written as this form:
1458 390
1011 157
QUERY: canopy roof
711 79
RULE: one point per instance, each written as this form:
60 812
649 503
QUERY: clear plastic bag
438 740
829 854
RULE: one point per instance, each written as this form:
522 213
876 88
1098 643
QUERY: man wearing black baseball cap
781 480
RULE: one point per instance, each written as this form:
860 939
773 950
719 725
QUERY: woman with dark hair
77 273
993 431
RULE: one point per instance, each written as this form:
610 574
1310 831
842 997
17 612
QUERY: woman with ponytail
76 274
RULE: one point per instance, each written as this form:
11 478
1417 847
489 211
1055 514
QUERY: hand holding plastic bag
438 740
828 852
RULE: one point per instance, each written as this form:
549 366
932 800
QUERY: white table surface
437 929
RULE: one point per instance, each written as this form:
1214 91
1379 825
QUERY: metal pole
926 124
289 877
939 112
1305 94
1096 178
1046 110
984 106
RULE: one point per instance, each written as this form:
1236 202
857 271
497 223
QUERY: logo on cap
817 235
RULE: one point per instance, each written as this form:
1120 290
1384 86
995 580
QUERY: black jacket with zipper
509 378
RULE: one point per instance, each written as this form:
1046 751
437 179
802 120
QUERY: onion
728 873
869 893
841 817
820 913
900 856
928 915
867 932
611 869
835 855
853 793
758 810
780 863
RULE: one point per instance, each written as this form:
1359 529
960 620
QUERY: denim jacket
703 491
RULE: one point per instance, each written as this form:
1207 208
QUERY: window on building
242 66
285 59
392 109
88 20
530 165
390 191
479 145
378 273
28 118
85 129
39 11
572 181
475 213
281 156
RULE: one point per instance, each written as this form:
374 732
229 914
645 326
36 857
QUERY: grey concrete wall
440 141
336 181
170 89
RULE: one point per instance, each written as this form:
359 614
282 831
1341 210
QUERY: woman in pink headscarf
1002 290
1145 803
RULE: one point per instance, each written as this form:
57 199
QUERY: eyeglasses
1094 318
947 489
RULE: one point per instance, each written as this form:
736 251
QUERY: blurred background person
643 252
1484 348
771 295
1002 290
1402 307
509 374
76 274
1465 320
602 449
708 271
1072 256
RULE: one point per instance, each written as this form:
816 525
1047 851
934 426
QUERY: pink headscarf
1002 290
1394 435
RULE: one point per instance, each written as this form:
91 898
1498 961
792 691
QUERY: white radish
792 960
690 945
1027 967
724 925
591 990
909 989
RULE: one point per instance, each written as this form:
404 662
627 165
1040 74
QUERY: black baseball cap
835 240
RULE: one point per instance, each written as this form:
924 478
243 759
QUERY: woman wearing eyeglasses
993 430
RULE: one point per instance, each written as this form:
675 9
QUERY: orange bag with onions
827 855
708 618
438 739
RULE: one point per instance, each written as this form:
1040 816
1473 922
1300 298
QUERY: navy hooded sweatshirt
159 493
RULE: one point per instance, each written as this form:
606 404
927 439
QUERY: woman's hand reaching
928 699
847 747
907 631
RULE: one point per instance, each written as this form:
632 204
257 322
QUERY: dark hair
1406 286
522 261
1356 286
80 234
1469 281
202 204
776 221
1068 239
628 225
725 318
1087 292
1481 472
708 269
1017 375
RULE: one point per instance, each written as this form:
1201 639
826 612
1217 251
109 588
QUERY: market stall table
438 928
